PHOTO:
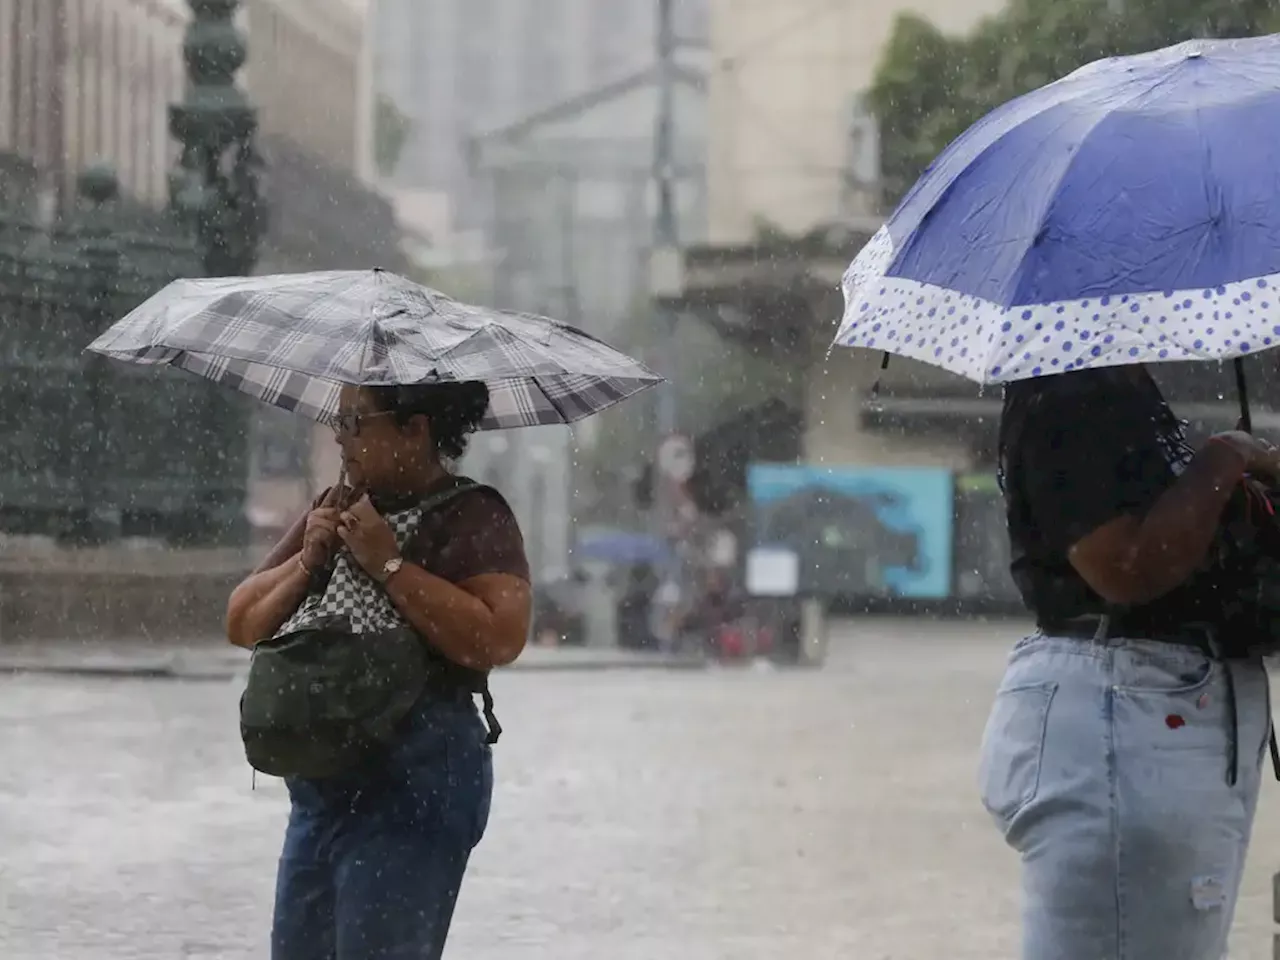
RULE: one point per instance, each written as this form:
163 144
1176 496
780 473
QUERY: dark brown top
473 534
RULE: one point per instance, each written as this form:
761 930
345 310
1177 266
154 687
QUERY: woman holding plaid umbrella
373 862
374 855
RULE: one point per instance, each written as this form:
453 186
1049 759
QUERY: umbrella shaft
1246 421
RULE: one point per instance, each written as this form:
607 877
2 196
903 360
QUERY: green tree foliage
930 87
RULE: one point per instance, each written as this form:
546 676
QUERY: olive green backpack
339 677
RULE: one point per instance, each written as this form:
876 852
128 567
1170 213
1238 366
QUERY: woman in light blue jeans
1122 758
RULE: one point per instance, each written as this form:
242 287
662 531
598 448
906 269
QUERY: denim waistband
1101 628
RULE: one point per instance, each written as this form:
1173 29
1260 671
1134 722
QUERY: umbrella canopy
1124 214
293 340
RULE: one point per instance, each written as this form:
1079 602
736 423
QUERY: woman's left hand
368 536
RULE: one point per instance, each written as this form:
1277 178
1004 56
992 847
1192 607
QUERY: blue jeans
1106 766
373 861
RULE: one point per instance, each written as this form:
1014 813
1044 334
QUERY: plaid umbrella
293 340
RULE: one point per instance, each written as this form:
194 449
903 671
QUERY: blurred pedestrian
374 858
634 606
712 620
1122 758
666 613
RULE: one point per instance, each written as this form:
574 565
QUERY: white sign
773 572
675 458
723 549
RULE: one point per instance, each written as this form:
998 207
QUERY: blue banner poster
859 531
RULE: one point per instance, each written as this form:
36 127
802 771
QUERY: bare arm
1133 560
480 623
264 601
286 547
270 595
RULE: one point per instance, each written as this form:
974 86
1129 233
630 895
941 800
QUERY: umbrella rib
555 405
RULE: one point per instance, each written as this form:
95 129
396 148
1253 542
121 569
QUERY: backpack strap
442 497
429 505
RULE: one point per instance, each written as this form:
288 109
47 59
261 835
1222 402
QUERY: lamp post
216 186
215 192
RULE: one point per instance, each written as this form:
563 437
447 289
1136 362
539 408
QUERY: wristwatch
390 569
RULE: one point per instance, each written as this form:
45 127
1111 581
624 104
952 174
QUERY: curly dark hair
454 410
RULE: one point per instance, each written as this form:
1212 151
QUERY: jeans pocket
1172 672
1013 748
468 790
1174 699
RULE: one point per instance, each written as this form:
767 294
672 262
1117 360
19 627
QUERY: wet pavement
213 659
689 815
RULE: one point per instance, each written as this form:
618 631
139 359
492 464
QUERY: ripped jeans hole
1208 893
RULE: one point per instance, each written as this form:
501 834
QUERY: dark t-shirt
1087 452
473 534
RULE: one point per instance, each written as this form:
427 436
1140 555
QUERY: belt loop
1104 626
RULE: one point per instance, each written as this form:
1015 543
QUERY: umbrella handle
873 396
337 494
343 500
1246 421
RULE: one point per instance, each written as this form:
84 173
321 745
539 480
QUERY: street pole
100 251
666 268
221 200
666 241
215 190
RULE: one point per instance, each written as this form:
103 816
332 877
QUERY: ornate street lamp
216 186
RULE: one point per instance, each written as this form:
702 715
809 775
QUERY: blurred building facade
532 121
790 142
303 74
793 192
89 80
456 68
84 81
307 75
570 231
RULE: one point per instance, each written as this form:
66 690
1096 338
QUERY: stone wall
115 593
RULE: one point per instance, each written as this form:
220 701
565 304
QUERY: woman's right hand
320 536
1261 459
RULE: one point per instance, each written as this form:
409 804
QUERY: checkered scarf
351 594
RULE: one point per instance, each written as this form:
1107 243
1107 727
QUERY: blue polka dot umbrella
1127 213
